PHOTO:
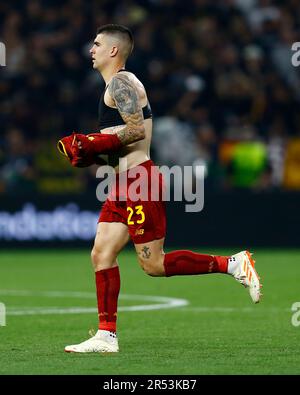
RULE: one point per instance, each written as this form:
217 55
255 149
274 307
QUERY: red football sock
108 287
179 263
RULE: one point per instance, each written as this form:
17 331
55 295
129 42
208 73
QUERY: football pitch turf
200 325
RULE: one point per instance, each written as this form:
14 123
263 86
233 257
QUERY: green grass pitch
218 331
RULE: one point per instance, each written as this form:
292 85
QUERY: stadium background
224 93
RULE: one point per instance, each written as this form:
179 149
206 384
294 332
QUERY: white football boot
241 267
103 341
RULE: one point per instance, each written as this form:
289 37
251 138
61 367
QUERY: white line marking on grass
91 310
215 309
162 302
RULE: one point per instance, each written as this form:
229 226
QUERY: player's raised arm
124 94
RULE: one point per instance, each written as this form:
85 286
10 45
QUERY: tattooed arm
124 94
83 149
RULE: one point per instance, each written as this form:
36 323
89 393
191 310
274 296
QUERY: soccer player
125 123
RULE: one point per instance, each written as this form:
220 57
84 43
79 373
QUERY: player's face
100 51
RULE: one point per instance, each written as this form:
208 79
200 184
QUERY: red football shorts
136 200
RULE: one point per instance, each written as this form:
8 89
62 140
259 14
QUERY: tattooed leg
151 257
146 253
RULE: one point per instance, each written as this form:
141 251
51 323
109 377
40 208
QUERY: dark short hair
121 31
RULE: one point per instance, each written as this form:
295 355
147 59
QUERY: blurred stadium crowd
218 74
